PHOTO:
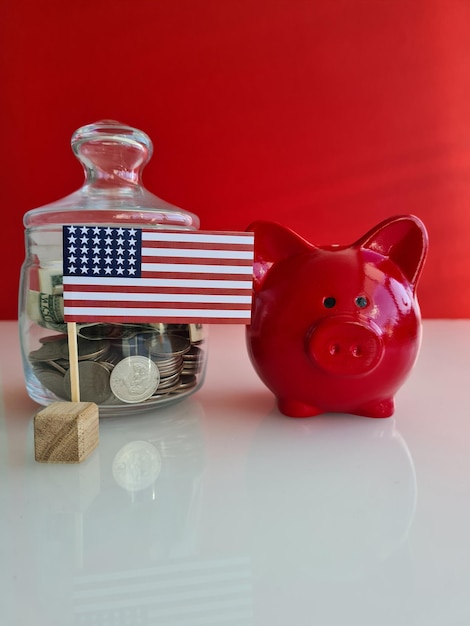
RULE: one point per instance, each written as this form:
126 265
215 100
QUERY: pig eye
329 302
361 302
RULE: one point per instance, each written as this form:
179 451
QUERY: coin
111 359
134 344
50 351
95 332
188 382
134 379
167 345
93 381
57 366
194 354
166 389
87 349
51 379
52 338
168 381
168 371
137 465
172 361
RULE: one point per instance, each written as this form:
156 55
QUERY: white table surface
255 518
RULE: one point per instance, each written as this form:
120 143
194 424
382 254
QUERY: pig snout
343 347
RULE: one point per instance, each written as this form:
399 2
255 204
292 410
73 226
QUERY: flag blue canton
102 251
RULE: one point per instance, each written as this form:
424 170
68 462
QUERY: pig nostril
356 350
334 349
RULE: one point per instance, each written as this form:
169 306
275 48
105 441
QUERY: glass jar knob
112 153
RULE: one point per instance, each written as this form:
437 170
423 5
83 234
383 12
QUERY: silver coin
87 350
51 379
109 366
194 354
134 379
174 361
137 465
165 389
112 358
168 381
91 331
49 351
53 338
93 382
95 332
167 345
188 382
57 366
168 371
169 389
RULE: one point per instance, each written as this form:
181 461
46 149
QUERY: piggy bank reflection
332 502
336 328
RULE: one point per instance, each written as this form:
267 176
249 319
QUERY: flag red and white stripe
117 274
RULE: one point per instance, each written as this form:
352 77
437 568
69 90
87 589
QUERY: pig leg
295 408
378 408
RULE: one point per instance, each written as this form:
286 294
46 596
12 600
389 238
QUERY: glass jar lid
113 156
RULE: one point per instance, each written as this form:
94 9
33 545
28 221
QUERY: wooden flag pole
73 359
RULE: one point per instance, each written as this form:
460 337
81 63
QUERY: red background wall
325 115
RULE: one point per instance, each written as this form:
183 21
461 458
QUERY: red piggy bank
336 328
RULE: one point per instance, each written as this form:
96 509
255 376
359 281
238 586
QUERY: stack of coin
114 360
192 364
170 373
167 352
51 365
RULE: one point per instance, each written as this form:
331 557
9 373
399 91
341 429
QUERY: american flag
121 274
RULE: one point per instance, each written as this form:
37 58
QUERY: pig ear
404 240
273 243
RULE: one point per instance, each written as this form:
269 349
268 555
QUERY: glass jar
172 356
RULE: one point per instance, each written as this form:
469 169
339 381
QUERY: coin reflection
137 465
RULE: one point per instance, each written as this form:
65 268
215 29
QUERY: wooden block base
66 432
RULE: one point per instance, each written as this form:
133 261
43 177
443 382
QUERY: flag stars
100 251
